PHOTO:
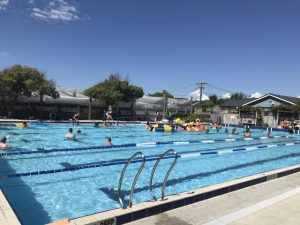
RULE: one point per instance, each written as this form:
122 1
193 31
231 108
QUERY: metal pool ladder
135 179
169 152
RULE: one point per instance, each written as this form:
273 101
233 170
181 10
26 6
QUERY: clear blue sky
237 45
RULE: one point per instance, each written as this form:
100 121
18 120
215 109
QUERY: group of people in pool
72 136
197 126
3 140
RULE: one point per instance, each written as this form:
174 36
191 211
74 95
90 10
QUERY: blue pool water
70 194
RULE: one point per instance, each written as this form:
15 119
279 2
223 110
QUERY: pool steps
143 160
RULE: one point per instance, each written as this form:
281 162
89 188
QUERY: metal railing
135 178
169 152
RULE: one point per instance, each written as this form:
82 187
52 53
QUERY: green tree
238 95
214 99
114 89
161 94
22 81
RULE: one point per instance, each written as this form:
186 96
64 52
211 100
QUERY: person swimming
108 141
234 131
70 134
3 143
148 126
247 133
80 132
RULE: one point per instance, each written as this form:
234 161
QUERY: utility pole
201 88
191 105
165 104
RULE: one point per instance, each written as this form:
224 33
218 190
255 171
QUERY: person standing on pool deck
109 113
156 116
104 115
75 119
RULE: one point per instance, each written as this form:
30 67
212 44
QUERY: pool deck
270 203
7 215
12 121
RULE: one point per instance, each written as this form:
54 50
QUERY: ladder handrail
170 151
135 178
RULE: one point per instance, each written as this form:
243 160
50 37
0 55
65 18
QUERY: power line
221 89
183 88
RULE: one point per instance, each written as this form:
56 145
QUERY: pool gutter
145 209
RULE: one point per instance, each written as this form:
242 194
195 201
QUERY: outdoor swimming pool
78 179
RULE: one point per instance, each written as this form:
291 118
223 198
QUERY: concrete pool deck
7 215
270 203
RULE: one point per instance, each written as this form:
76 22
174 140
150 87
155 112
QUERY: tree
238 95
114 89
22 81
161 94
215 100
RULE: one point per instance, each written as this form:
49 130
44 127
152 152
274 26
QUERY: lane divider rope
146 144
151 158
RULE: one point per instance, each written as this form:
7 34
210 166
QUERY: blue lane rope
151 158
146 144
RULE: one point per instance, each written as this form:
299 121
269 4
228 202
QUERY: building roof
251 101
283 98
234 103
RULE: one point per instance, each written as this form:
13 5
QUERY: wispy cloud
4 54
226 95
31 1
3 4
56 10
196 95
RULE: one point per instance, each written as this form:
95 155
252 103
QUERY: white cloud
3 4
56 10
196 95
31 1
4 54
298 96
226 95
256 95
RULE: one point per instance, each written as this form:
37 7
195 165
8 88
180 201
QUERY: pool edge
146 209
7 214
